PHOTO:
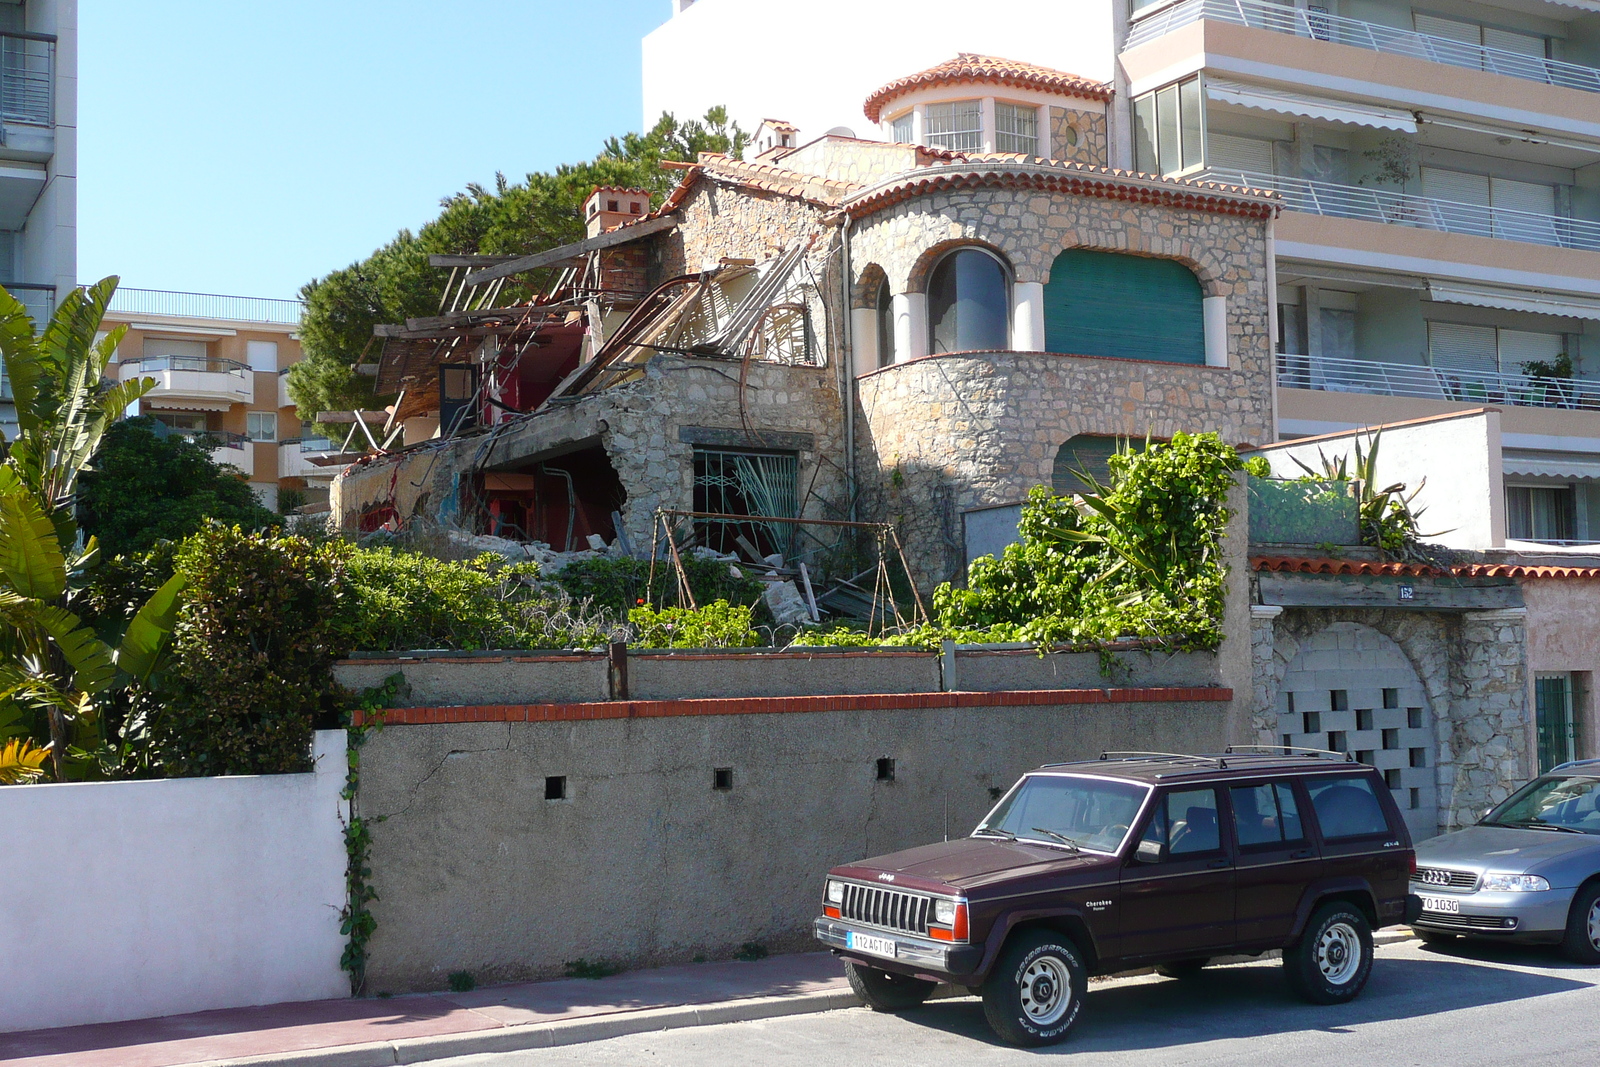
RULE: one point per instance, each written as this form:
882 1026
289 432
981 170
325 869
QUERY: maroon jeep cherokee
1126 861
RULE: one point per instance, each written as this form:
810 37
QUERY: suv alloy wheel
1333 958
885 990
1035 994
1582 943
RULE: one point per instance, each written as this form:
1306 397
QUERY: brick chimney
610 206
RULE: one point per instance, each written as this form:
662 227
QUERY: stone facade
1471 666
1079 136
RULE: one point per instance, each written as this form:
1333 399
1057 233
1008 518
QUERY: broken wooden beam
618 236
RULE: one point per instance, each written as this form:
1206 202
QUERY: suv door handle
1219 863
1300 854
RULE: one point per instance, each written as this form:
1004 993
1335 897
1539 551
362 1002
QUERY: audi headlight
944 912
835 892
1513 883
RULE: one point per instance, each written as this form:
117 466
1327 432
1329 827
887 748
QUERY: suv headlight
944 912
1513 883
835 892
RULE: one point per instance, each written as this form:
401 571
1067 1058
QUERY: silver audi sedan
1529 872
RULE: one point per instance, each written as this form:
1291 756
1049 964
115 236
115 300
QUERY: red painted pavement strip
277 1028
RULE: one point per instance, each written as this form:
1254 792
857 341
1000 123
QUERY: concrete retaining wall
643 861
135 899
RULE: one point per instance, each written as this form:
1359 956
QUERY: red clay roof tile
968 67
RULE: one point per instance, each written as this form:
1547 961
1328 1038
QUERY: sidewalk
410 1029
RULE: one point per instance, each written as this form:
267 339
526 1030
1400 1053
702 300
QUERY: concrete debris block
597 542
500 546
710 553
775 561
788 607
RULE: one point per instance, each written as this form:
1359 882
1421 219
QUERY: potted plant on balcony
1394 162
1549 382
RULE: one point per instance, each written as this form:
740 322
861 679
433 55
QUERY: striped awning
1579 467
1535 300
1284 102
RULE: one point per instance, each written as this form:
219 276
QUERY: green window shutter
1131 307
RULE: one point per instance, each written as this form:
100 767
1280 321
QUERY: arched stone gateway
1351 689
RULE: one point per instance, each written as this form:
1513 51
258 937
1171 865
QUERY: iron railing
27 62
310 444
1336 375
1424 212
213 439
200 364
1281 18
207 306
39 300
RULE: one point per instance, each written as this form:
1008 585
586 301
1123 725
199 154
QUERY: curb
546 1035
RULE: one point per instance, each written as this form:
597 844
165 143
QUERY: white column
986 117
1046 148
919 124
910 325
1027 317
864 340
1214 315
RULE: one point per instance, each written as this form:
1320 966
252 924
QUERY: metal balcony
1279 18
1404 209
193 377
207 306
1368 376
27 62
295 457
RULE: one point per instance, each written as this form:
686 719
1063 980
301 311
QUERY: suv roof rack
1290 752
1572 763
1152 757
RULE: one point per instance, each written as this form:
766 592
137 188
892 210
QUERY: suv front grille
1444 878
888 908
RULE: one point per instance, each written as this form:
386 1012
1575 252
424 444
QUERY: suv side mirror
1148 852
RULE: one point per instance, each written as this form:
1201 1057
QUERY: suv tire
885 990
1034 995
1582 942
1332 960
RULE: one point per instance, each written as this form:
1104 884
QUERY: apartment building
38 158
221 367
1438 164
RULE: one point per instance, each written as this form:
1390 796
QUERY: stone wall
718 221
1471 666
1079 136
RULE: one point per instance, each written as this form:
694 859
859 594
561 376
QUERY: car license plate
876 946
1443 905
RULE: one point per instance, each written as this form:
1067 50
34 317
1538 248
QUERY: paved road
1425 1007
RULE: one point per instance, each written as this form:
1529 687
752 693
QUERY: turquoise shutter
1130 307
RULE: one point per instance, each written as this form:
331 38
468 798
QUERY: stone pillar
910 325
1214 318
1263 648
863 340
1490 733
1027 317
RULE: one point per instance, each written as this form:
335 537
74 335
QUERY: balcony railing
26 92
1336 375
213 439
1280 18
1405 209
207 306
197 364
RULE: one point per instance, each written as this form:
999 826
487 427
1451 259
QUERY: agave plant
1388 515
50 663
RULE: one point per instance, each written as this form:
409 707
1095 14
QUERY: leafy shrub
253 655
716 625
622 582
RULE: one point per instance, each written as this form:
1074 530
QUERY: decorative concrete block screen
138 899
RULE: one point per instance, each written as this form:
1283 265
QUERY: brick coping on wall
654 709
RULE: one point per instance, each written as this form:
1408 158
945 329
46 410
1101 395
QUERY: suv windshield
1092 814
1557 802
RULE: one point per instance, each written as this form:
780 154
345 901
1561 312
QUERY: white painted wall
814 64
142 899
1459 456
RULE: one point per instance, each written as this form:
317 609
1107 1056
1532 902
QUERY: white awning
1575 469
1283 102
1488 296
1581 5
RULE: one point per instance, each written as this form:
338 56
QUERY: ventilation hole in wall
1391 778
555 787
1363 718
1414 718
1337 741
1288 740
1290 708
1339 699
1391 739
1312 721
1364 756
1416 797
722 778
1391 698
1419 757
885 769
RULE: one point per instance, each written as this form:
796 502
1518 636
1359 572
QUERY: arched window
1113 304
969 303
1088 454
885 306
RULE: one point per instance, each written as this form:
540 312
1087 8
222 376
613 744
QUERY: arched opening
884 302
1351 689
1130 307
969 302
1087 454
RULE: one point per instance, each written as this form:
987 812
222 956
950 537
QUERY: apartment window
261 425
1167 129
1555 724
900 129
1490 349
969 303
184 422
746 483
956 126
1016 129
1541 512
262 356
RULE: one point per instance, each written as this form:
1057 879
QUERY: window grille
900 129
1016 129
746 483
957 126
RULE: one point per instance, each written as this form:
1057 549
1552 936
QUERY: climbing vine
356 920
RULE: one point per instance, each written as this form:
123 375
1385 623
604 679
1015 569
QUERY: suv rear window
1346 807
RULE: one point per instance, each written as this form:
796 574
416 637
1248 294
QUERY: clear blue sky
245 148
